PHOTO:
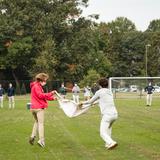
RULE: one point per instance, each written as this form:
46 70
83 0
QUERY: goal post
127 84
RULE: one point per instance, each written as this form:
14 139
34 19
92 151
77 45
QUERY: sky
140 12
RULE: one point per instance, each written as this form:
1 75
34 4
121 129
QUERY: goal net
133 87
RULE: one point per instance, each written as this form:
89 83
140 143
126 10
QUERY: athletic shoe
106 145
41 143
112 145
31 140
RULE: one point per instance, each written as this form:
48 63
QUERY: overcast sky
140 12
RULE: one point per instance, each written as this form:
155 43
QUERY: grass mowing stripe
80 148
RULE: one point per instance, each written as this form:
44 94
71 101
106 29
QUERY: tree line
52 36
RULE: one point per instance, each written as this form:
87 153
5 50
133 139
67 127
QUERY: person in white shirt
108 112
87 93
76 91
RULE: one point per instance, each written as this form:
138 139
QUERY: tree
91 78
154 26
131 60
153 54
46 61
78 50
113 44
23 89
45 21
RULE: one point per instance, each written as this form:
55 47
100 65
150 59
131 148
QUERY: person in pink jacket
38 105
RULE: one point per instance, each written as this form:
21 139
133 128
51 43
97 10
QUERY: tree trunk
17 88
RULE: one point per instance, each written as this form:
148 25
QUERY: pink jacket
38 97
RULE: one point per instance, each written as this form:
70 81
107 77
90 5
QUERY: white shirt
87 92
76 90
105 100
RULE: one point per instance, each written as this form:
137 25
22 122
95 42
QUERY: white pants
1 101
11 102
106 128
76 98
149 99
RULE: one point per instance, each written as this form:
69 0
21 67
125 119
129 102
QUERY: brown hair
41 77
103 82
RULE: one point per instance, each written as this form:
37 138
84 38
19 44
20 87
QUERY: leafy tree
131 59
78 50
154 26
46 61
153 54
116 33
45 21
91 78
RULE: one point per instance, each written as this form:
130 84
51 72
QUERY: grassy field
137 131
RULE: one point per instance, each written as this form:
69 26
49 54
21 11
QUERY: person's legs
40 117
10 101
150 99
106 128
147 99
34 129
1 101
13 102
105 132
35 125
74 98
109 131
77 98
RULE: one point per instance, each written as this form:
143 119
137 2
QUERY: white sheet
71 108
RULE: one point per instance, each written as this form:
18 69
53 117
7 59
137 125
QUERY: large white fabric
71 109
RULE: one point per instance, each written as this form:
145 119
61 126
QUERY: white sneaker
41 143
106 145
112 145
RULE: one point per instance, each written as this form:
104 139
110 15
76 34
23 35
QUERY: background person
94 88
76 91
38 106
87 93
149 89
1 96
10 94
63 91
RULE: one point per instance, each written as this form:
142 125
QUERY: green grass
137 132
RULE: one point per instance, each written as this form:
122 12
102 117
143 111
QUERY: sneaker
106 145
41 143
112 145
31 140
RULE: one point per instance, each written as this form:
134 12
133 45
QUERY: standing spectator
108 112
76 91
38 106
149 89
94 88
1 96
63 90
10 93
87 93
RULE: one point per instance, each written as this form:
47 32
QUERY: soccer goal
133 87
